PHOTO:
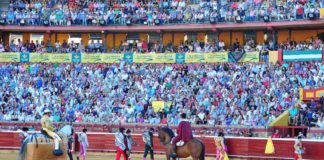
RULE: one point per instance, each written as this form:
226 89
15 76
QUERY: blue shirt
293 112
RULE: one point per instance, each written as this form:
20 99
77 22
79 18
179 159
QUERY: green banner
307 55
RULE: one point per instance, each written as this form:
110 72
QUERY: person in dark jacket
148 140
70 145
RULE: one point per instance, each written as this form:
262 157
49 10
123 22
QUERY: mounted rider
48 128
184 134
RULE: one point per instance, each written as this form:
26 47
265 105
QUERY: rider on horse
184 133
48 128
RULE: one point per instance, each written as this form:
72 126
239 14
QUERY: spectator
293 113
276 134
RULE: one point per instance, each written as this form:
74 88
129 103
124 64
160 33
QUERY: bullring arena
102 143
231 79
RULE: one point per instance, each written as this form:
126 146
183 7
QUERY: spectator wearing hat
48 128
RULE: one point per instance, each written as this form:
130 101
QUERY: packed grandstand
102 12
243 68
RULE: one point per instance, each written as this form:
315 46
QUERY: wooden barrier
137 128
238 146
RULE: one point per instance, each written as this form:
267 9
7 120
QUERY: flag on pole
269 149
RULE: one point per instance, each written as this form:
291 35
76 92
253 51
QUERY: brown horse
193 148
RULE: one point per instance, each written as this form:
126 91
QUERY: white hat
47 111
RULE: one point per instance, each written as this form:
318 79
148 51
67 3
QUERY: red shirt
164 121
300 11
276 135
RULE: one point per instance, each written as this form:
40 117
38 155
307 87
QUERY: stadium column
26 37
114 39
289 35
85 38
5 38
230 38
109 40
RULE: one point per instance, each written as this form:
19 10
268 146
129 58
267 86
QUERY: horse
194 148
39 146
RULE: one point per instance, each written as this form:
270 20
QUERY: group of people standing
124 143
124 140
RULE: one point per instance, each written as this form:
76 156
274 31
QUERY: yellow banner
61 58
157 105
216 57
195 58
164 58
319 93
91 58
273 56
111 58
143 58
301 94
10 57
39 57
322 13
250 57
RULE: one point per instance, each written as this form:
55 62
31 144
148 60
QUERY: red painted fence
238 146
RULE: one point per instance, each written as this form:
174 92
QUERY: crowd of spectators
150 12
158 47
214 94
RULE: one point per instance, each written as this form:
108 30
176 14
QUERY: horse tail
202 153
23 148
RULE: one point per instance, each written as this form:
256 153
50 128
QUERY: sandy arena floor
12 155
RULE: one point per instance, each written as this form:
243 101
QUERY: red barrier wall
238 146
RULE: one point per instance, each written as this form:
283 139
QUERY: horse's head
165 135
161 136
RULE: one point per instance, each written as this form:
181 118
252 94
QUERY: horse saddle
45 134
180 143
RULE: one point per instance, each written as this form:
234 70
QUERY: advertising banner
10 57
250 57
216 57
